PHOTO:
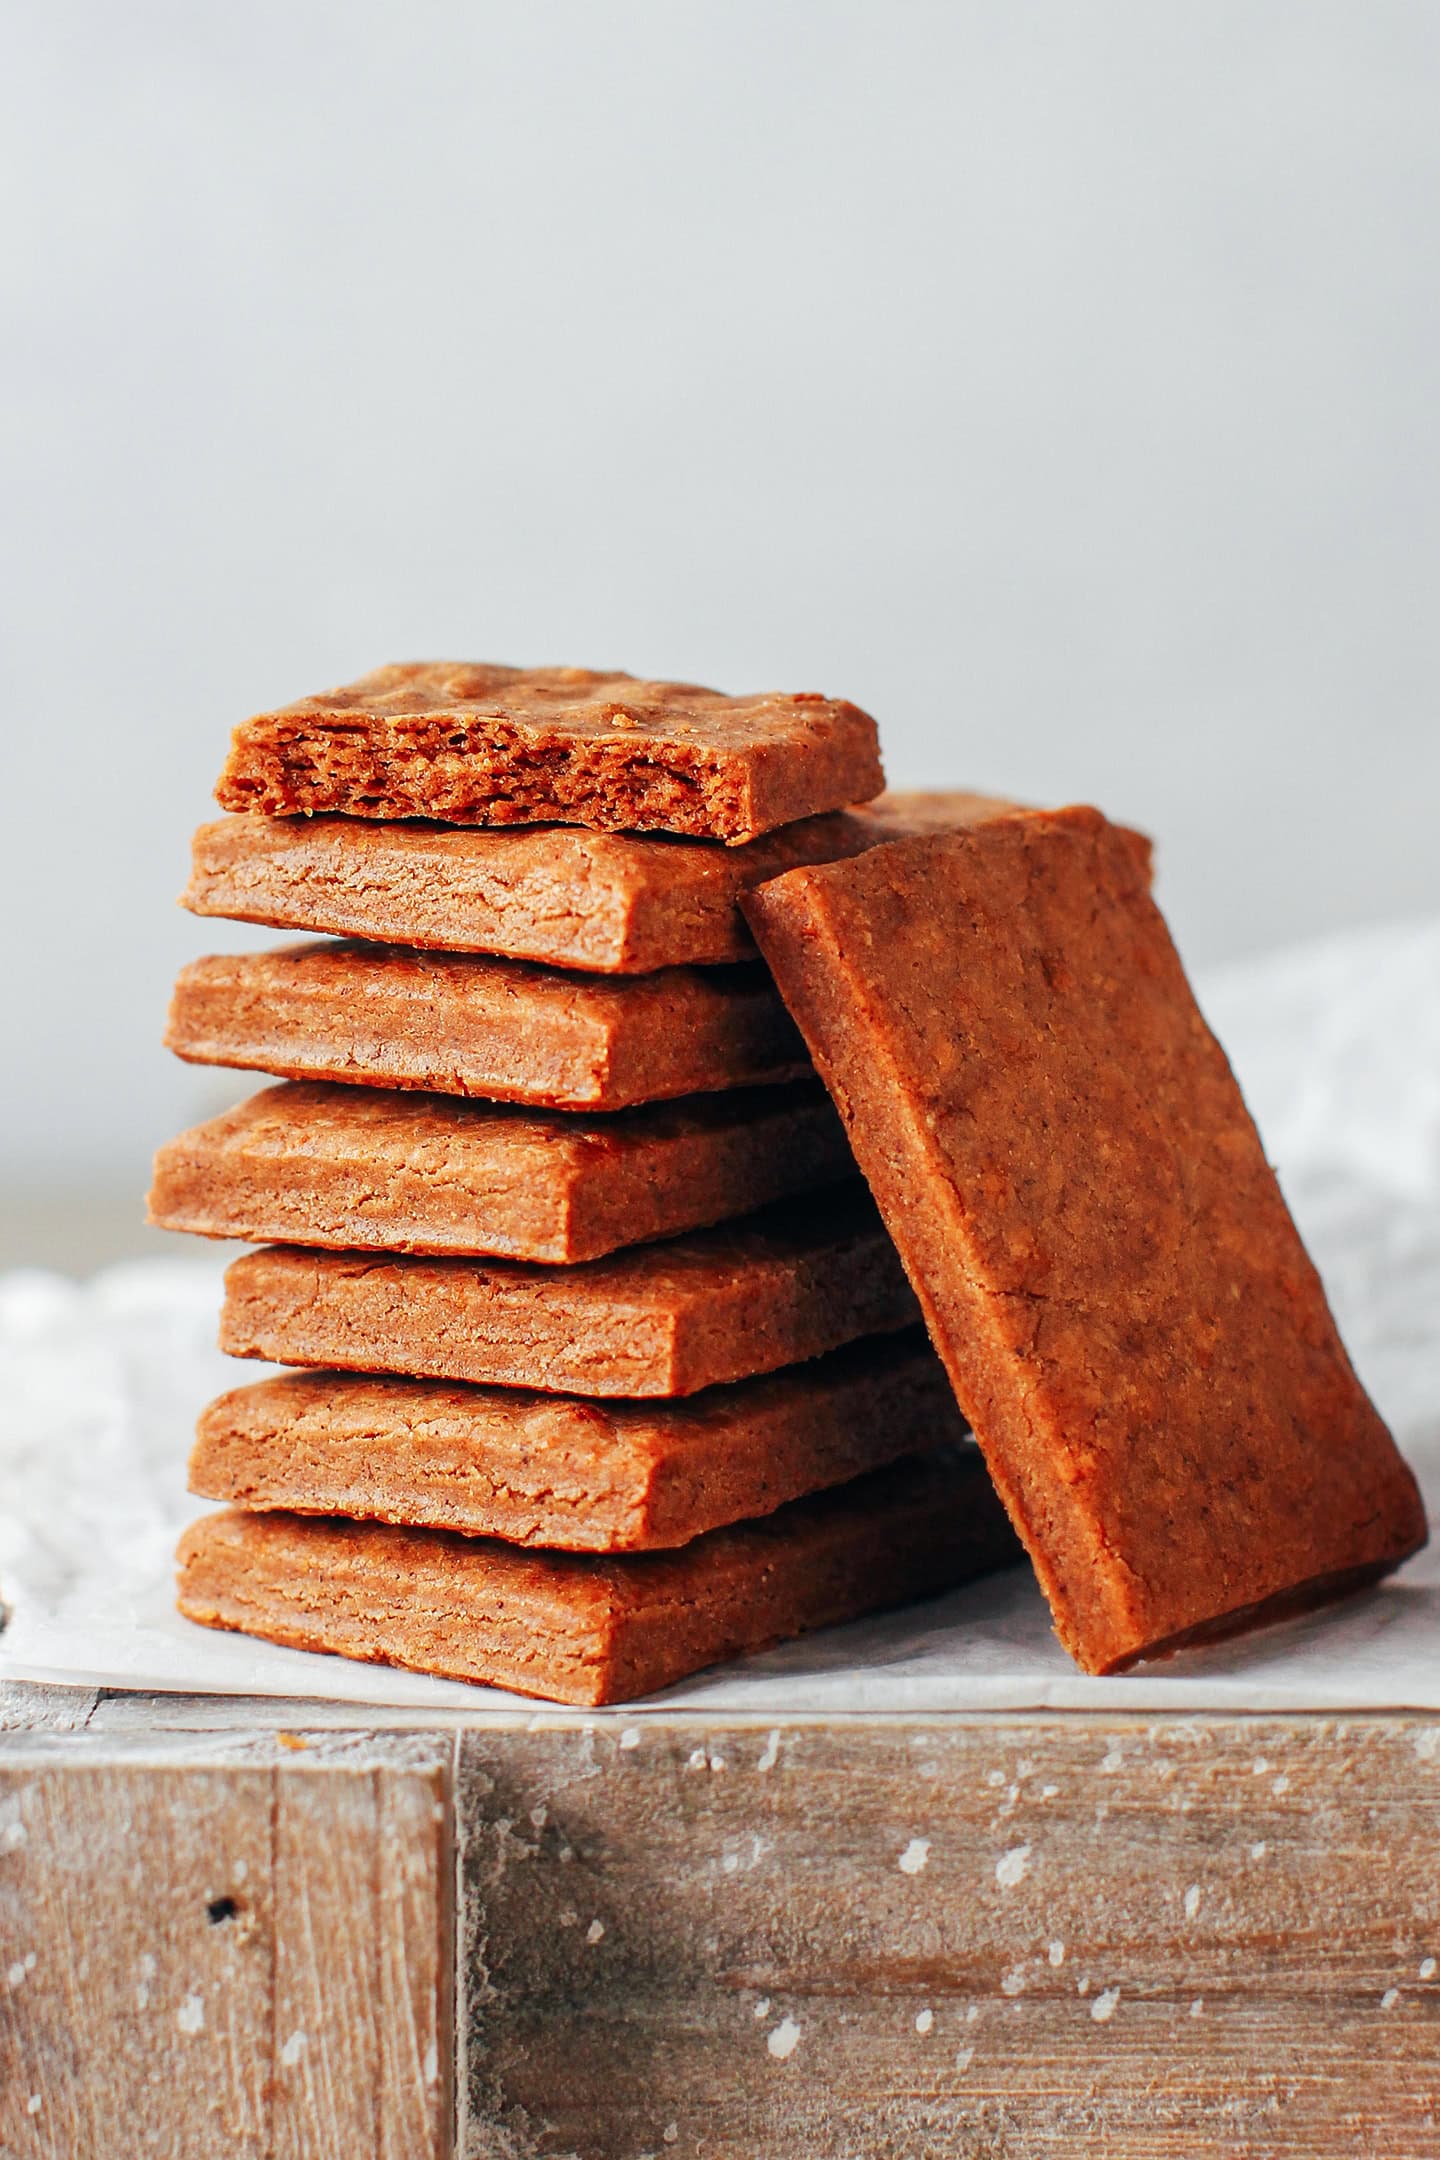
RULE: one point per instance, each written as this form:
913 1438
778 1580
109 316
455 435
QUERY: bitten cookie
474 744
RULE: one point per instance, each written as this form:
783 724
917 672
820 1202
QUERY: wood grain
236 1945
857 1939
27 1708
988 1936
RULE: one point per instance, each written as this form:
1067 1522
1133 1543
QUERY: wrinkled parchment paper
1337 1046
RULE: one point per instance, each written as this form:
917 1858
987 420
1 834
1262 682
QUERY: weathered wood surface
979 1936
228 1929
225 1945
46 1709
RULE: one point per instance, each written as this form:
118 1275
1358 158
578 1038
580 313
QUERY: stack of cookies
608 1365
603 1364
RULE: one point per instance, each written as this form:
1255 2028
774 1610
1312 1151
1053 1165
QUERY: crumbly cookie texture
384 1016
694 1312
581 1628
1108 1269
563 1471
618 903
307 1163
473 744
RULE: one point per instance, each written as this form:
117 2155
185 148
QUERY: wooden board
851 1939
975 1936
235 1948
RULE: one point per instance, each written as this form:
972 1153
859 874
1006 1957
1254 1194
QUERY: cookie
384 1016
618 903
695 1312
579 1628
562 1471
306 1163
1129 1318
472 744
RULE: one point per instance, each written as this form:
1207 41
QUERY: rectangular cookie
473 744
1104 1258
586 1629
384 1016
558 1470
617 903
307 1163
668 1319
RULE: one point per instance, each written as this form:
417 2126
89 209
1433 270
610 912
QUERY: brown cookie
667 1319
384 1016
557 1470
579 1628
473 744
618 903
310 1164
1104 1258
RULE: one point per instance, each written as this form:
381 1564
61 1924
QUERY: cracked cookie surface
475 744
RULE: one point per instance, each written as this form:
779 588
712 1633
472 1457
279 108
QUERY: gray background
1058 380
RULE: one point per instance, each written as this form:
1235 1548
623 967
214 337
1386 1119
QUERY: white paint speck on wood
784 2040
1013 1866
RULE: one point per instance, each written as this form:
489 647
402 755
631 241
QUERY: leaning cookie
1105 1261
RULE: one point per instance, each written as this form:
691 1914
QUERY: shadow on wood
990 1936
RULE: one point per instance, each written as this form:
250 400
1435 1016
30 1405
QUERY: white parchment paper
1338 1048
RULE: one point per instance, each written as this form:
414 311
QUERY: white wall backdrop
1056 379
